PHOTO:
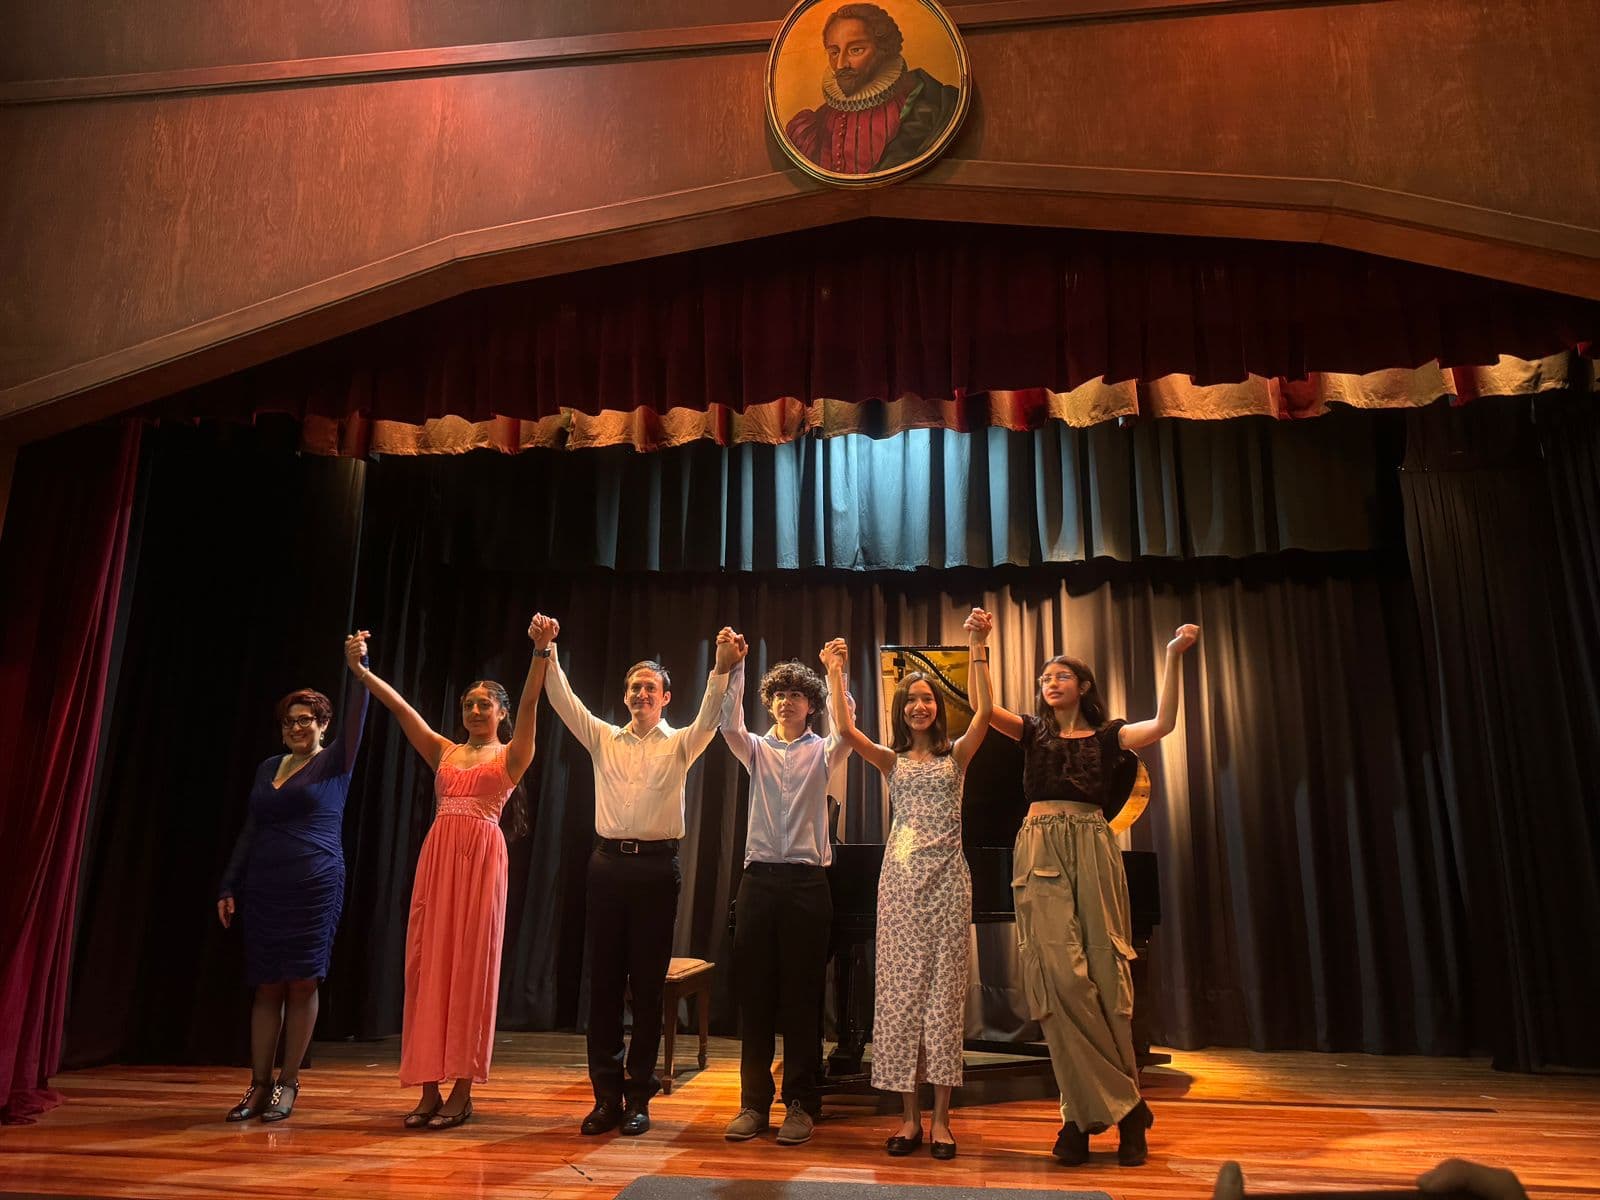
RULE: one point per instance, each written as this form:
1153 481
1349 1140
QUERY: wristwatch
545 653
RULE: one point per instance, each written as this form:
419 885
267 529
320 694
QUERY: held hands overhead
1186 636
731 648
355 649
543 630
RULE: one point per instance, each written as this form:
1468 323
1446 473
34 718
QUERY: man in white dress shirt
639 771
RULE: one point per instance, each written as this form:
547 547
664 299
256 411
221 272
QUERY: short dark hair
321 708
940 733
795 676
885 33
649 664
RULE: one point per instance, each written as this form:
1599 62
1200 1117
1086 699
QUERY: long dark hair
897 715
1090 706
514 818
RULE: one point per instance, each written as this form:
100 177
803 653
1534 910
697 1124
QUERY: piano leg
1140 970
850 968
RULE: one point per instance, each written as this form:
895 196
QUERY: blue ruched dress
287 870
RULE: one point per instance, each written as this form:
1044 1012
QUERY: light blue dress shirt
788 785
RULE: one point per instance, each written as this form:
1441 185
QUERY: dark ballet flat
442 1121
419 1118
899 1147
1132 1149
1072 1146
943 1151
254 1101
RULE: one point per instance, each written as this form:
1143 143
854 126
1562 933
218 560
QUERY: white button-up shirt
788 785
638 781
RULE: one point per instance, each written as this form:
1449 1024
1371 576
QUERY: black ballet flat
419 1118
283 1097
441 1121
255 1100
899 1147
943 1151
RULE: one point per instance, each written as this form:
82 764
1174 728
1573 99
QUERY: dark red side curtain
61 558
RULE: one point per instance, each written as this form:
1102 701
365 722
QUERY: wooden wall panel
92 37
153 240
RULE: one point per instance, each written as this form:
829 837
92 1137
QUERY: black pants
780 959
633 903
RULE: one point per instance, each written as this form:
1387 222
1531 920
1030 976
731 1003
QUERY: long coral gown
458 918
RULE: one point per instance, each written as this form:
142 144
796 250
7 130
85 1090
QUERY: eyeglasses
301 722
1060 678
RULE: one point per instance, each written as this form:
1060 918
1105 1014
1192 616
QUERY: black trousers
780 961
633 903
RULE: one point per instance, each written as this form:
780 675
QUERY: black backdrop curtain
1307 871
923 498
1502 551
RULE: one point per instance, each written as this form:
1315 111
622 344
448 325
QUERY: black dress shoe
899 1147
943 1151
1131 1147
603 1118
637 1121
1072 1146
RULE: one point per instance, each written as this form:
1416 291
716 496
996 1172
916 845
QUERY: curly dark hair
795 676
880 25
939 734
1090 707
321 707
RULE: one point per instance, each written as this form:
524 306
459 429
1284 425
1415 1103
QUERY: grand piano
992 811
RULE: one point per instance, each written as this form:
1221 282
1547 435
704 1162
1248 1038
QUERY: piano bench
686 977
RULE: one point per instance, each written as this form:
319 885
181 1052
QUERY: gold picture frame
863 94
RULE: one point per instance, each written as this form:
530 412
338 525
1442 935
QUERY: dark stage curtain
1307 875
1502 551
240 593
879 311
61 568
924 498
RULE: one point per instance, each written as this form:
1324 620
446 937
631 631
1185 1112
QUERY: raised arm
1143 733
542 630
734 731
585 726
703 728
978 625
418 732
355 700
836 657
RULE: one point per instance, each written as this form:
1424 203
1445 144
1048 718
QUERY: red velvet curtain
61 557
983 320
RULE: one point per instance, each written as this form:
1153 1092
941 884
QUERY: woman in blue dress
285 881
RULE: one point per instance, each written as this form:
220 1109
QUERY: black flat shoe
899 1147
282 1104
943 1151
605 1116
450 1120
636 1122
1132 1149
1072 1146
255 1100
419 1117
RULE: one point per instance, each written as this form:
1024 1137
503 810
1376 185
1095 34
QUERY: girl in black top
1072 897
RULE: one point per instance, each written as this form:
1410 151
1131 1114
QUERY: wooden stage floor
1293 1121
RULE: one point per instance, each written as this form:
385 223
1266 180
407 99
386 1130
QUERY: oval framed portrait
864 94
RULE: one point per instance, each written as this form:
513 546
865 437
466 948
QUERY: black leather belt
633 846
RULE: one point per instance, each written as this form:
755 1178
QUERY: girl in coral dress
458 902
